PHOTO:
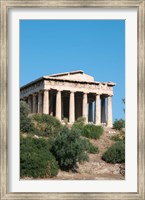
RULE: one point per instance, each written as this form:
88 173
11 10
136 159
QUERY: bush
46 125
92 131
36 160
116 153
68 149
79 123
116 138
89 147
25 122
119 124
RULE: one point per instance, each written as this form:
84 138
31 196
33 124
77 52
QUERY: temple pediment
78 75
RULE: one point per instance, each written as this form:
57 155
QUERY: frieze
103 87
31 88
58 85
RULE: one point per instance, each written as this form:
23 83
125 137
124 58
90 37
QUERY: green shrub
116 153
68 149
25 122
116 138
92 131
89 147
46 125
79 123
119 124
36 160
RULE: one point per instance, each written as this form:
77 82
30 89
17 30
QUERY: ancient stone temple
70 95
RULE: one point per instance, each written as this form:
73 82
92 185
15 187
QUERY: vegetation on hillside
88 130
47 146
68 149
36 160
119 124
115 153
46 125
25 122
62 147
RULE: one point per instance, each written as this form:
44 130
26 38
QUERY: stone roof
73 76
78 75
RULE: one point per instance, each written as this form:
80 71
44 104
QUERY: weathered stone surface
70 95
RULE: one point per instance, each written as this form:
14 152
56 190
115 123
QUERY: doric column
58 104
90 112
109 123
46 102
30 103
85 114
34 103
72 107
51 104
40 102
97 110
103 110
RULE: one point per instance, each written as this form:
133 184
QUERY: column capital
97 94
85 92
71 91
110 95
59 90
45 90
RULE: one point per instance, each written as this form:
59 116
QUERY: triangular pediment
74 75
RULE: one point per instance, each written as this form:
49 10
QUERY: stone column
72 107
103 110
51 104
46 102
109 123
30 103
58 104
85 114
90 112
34 103
97 110
40 102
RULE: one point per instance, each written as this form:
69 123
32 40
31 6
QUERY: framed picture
17 18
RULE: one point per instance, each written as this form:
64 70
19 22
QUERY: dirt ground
96 168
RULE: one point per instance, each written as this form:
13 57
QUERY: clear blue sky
95 46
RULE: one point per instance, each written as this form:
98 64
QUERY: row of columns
43 107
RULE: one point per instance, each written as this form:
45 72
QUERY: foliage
36 160
46 125
119 124
92 131
79 123
68 149
116 138
89 147
116 153
25 122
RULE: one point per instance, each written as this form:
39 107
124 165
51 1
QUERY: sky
95 46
